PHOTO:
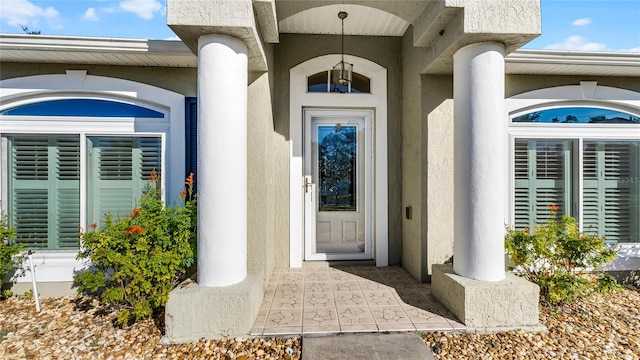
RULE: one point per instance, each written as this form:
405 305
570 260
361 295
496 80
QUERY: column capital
191 19
445 26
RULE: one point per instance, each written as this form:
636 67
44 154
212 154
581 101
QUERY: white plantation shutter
611 190
44 188
118 171
542 178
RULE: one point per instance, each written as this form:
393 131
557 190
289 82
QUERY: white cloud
577 42
25 13
142 8
173 38
632 50
108 10
90 14
581 22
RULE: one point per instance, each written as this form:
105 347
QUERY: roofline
585 59
93 44
571 57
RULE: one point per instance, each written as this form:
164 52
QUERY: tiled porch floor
349 299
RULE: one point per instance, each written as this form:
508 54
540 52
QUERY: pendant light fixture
342 72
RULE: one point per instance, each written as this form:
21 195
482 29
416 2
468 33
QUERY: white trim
376 100
59 265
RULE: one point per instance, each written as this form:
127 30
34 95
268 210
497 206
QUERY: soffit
362 20
102 51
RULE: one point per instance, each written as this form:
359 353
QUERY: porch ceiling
361 21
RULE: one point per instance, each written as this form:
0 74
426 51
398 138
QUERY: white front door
338 158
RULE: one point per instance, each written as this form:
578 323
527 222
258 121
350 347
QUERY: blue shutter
191 122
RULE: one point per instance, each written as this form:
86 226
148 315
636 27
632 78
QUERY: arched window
577 115
320 83
583 158
44 144
83 107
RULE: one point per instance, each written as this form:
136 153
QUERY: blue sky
590 25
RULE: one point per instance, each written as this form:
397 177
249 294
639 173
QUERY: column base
194 312
487 306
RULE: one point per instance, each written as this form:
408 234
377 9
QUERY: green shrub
563 261
9 258
138 260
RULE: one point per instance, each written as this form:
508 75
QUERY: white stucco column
222 160
481 163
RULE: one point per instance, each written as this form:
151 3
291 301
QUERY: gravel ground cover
601 327
80 328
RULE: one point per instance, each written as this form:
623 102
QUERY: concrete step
365 346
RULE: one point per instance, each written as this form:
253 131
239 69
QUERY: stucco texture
268 179
427 169
180 80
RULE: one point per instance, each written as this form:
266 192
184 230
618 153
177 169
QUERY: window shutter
607 197
110 177
68 192
151 153
118 172
523 212
542 178
44 184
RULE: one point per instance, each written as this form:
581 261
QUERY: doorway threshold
335 263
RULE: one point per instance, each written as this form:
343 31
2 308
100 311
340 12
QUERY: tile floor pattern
349 299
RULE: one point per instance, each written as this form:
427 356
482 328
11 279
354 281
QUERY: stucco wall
294 49
413 158
268 182
180 80
437 105
427 169
260 192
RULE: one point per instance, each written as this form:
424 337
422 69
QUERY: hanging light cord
342 15
342 51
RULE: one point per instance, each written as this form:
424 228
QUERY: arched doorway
338 215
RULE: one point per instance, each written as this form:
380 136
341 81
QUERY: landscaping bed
600 327
81 328
603 326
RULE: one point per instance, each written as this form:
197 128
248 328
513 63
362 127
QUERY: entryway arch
375 103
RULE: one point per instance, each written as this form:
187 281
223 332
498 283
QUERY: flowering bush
138 260
563 261
9 259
